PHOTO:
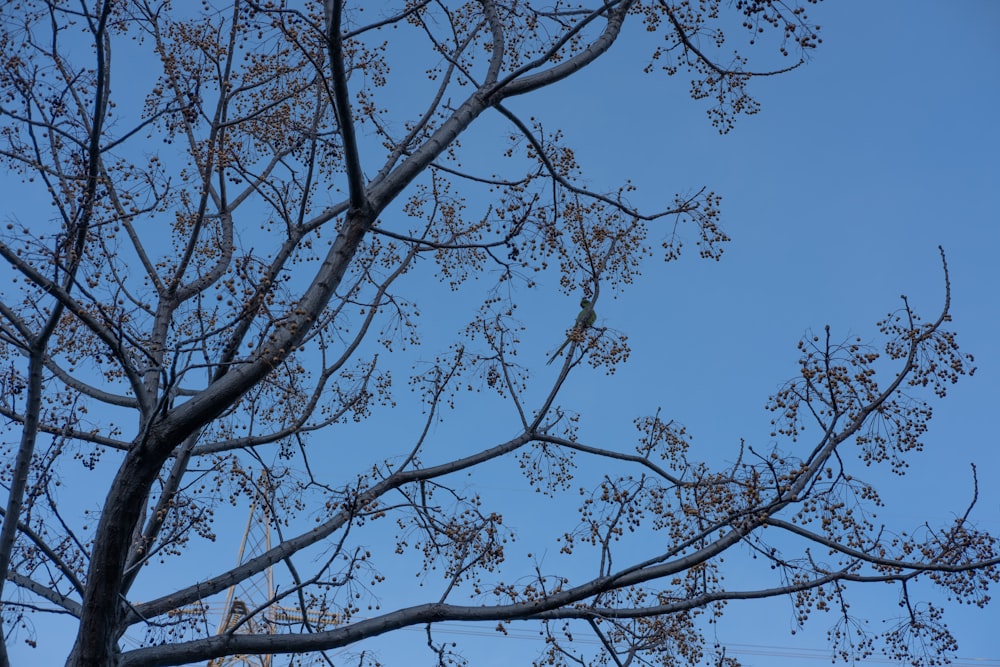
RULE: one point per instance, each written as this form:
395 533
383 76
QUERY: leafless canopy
222 218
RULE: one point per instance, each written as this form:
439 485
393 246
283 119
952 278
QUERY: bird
584 320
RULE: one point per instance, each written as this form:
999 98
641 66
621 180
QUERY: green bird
584 320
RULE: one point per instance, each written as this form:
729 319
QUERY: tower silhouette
249 607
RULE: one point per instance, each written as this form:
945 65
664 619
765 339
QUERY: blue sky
836 196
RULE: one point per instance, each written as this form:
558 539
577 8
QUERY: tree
223 284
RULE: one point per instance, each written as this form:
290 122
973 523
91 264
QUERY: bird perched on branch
584 320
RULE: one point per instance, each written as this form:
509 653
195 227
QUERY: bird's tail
557 352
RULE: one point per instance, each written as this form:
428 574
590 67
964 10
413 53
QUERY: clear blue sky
836 196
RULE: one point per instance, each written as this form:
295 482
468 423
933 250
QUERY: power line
791 652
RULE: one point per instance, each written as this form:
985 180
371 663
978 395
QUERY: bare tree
240 198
